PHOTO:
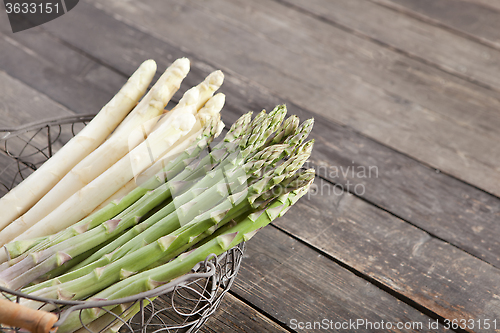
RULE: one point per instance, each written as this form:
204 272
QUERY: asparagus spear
172 168
171 221
98 190
236 134
168 224
146 203
21 198
242 231
133 256
108 153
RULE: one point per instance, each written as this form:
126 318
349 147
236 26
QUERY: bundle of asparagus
192 203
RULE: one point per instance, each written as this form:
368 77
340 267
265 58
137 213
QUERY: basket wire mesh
182 305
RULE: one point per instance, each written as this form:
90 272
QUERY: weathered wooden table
403 227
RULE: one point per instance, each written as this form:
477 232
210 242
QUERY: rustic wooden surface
410 88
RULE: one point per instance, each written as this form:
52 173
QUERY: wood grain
20 104
433 45
396 100
402 258
295 284
235 316
469 18
437 203
63 74
494 4
436 275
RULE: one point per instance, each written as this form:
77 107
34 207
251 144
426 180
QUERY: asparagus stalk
158 165
166 244
138 236
242 231
110 155
109 322
231 143
92 237
113 208
134 256
21 198
113 149
172 221
205 90
140 158
236 131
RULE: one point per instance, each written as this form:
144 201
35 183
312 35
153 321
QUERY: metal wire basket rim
168 287
177 282
45 122
100 303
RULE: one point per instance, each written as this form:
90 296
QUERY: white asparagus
140 122
86 199
212 107
143 156
21 198
170 155
206 90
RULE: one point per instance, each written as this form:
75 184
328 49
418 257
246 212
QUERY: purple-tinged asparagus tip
182 256
274 212
62 257
226 240
217 216
111 225
64 295
152 284
165 242
255 216
125 274
80 229
248 235
98 271
36 256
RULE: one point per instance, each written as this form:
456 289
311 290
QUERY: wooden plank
494 4
470 18
433 45
445 207
295 284
20 104
235 316
232 315
436 275
61 73
398 101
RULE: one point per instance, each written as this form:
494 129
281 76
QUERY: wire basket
182 305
